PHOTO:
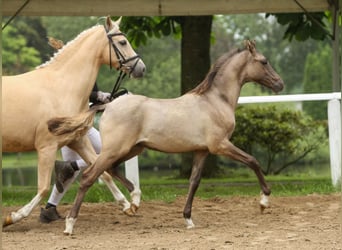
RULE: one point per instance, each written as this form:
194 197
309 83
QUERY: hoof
134 208
264 203
69 225
189 223
129 212
262 208
8 221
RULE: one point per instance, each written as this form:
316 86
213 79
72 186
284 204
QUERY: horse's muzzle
278 86
138 70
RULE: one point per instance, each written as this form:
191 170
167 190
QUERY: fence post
334 120
132 171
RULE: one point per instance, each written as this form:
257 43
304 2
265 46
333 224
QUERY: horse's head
259 70
125 57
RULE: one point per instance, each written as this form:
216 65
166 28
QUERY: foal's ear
250 45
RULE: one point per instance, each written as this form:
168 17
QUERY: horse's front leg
117 194
46 159
228 149
84 148
195 178
133 189
132 186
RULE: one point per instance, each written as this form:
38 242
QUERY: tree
303 26
195 52
277 138
317 79
17 56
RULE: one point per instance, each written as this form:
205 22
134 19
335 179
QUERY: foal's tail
74 127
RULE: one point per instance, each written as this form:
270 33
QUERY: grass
168 190
164 187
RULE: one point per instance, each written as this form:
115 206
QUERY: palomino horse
61 87
200 121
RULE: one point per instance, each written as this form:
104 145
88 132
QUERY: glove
103 97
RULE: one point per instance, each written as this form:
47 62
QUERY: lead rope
115 93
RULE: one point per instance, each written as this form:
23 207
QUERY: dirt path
306 222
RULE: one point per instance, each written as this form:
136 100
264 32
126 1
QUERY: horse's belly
18 131
14 140
9 145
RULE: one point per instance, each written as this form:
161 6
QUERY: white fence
334 120
334 117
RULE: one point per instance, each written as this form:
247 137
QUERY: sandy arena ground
306 222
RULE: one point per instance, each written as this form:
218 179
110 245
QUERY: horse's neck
226 90
229 82
76 66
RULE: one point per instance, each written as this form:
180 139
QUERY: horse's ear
250 45
109 23
111 26
117 22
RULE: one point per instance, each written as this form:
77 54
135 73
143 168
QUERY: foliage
279 138
162 79
17 56
67 28
139 29
317 79
303 26
287 58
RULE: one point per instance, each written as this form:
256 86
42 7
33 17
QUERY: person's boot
63 171
48 215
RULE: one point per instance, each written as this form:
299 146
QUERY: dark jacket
93 95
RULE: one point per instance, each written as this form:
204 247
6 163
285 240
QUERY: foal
201 121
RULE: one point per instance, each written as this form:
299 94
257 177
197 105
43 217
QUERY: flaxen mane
61 49
208 80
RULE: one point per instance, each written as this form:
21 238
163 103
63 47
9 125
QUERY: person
66 171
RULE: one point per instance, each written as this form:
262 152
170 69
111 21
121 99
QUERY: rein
122 61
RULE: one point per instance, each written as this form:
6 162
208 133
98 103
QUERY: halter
122 61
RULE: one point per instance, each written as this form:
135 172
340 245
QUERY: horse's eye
123 42
264 62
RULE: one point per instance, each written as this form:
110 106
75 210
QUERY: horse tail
76 126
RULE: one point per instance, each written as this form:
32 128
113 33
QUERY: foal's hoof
262 208
264 203
132 211
7 221
189 223
134 208
129 212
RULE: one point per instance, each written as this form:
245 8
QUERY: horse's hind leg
46 158
228 149
195 178
88 178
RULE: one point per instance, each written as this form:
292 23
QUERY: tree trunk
195 57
